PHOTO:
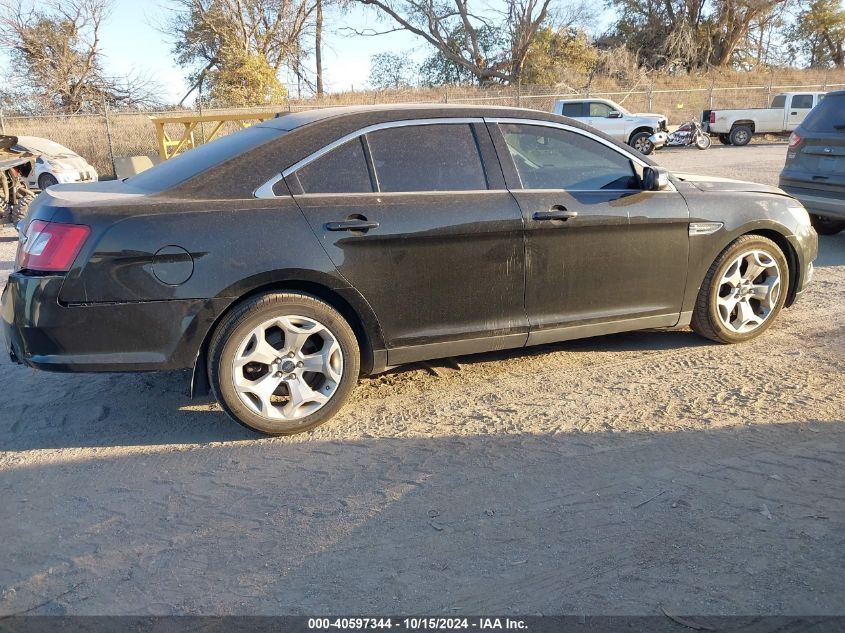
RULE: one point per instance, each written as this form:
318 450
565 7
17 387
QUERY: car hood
715 183
74 161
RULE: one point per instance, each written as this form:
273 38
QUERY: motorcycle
689 133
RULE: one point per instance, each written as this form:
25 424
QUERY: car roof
393 112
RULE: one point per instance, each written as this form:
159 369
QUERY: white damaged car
55 164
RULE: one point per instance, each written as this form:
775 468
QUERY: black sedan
283 261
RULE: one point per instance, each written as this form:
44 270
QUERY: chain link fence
102 138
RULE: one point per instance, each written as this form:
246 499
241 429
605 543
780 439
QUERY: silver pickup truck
737 126
614 120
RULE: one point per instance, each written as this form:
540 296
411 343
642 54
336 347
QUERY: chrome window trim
262 191
266 190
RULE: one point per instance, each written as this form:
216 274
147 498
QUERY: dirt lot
610 475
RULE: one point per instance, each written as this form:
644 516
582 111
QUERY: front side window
342 170
440 157
802 102
552 158
599 109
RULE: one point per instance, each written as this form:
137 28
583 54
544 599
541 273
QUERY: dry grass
679 97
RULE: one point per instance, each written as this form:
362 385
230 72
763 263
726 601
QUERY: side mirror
655 178
614 114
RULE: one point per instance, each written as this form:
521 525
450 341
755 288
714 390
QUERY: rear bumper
140 336
829 204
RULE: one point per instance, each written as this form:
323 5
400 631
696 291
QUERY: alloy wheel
287 367
748 291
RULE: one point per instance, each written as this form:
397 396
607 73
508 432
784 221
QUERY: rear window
170 173
828 116
441 157
779 101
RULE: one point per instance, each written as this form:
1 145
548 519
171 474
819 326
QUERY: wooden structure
169 146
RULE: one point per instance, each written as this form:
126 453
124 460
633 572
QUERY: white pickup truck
735 127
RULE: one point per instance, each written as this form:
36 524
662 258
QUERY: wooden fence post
2 123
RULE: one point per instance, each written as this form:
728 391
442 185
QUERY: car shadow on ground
104 410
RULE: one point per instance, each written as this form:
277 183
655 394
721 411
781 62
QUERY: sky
131 41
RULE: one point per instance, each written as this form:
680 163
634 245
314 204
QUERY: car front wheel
640 142
743 291
283 363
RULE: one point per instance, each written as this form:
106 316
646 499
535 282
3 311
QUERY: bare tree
206 32
56 57
462 32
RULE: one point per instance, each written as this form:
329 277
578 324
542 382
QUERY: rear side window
828 116
779 101
342 170
551 158
802 102
441 157
574 110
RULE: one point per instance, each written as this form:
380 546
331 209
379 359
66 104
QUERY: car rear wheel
826 226
283 363
743 291
640 142
740 135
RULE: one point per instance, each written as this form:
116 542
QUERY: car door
601 253
416 217
798 109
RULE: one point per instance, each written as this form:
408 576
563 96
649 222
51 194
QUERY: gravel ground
609 475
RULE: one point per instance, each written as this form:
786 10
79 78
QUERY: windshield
171 172
828 116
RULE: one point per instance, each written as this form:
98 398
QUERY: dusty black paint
443 274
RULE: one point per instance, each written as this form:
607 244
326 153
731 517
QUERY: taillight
50 246
794 140
712 116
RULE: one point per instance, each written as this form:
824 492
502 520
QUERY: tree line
233 51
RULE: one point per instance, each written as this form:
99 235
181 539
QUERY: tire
716 295
740 135
236 337
826 226
702 141
725 139
640 142
19 209
46 180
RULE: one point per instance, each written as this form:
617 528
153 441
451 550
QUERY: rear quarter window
779 101
828 116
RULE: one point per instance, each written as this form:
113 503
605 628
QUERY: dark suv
815 164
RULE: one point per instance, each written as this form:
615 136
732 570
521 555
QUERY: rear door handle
351 225
555 213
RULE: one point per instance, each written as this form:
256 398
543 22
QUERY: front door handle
555 213
351 225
